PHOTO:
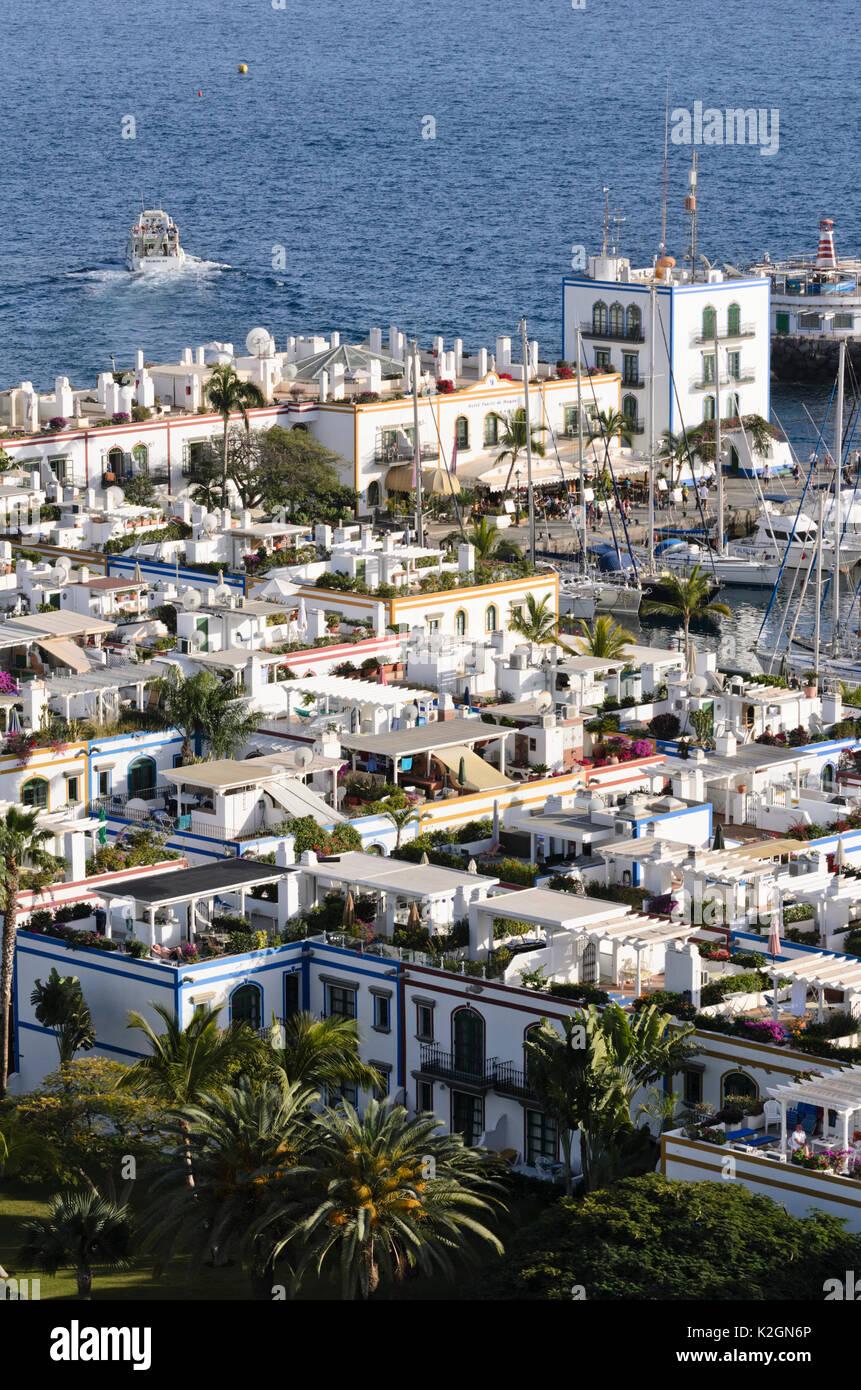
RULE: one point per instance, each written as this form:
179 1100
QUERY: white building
610 304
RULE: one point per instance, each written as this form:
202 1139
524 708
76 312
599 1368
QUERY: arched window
599 317
738 1083
141 777
633 321
733 320
733 406
35 793
709 322
709 408
373 494
115 461
617 319
140 454
828 777
491 618
246 1005
467 1041
629 407
460 623
461 432
491 429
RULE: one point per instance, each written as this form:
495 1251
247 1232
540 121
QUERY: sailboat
843 659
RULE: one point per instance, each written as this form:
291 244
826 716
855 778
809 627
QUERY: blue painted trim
162 570
106 1047
92 952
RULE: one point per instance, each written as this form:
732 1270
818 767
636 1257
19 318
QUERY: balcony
510 1081
394 453
449 1066
744 330
634 383
613 335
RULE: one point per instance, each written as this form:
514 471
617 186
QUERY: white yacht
585 596
679 557
154 243
778 535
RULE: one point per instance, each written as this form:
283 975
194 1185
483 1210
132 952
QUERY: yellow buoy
243 67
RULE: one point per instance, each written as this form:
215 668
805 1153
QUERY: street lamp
517 482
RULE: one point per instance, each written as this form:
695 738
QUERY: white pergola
820 972
840 1091
587 919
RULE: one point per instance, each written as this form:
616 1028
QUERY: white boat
778 534
585 596
679 557
154 243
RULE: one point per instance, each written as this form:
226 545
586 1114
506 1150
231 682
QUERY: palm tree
227 724
249 1147
185 1064
60 1005
512 441
587 1076
484 539
688 596
322 1053
400 819
81 1230
616 422
539 623
228 394
20 840
674 450
184 703
397 1196
605 639
204 706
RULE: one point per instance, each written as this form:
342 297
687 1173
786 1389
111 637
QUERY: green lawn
21 1202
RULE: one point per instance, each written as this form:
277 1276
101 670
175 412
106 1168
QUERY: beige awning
436 482
479 775
65 653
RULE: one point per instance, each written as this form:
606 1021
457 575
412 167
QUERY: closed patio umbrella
496 825
348 917
424 859
414 919
718 840
472 867
461 771
840 856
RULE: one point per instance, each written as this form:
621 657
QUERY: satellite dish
259 342
191 599
208 526
196 641
698 685
545 701
114 497
303 757
596 804
62 570
221 594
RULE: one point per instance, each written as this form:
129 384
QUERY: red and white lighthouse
825 255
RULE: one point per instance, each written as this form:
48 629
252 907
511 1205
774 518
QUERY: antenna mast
691 207
606 220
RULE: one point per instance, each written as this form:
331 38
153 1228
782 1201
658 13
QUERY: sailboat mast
580 444
417 451
653 296
531 494
818 620
718 466
838 521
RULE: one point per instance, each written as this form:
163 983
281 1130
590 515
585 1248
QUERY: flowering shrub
189 953
20 746
831 1161
714 952
122 418
664 905
765 1031
642 748
8 685
512 871
59 422
444 386
564 373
